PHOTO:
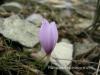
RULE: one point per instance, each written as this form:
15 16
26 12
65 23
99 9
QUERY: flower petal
45 36
48 36
54 32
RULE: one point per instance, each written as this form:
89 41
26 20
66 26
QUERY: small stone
12 6
63 4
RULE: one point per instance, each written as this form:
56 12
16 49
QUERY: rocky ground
77 51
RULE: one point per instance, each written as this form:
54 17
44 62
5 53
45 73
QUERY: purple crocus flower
48 36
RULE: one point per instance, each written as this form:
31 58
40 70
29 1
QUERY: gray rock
12 6
2 9
84 47
82 25
63 4
35 19
1 21
62 56
60 4
20 30
86 11
65 50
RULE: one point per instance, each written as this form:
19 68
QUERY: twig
95 24
75 60
98 68
55 71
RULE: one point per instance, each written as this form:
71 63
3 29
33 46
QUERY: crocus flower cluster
48 36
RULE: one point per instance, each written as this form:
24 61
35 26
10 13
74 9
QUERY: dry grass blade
98 68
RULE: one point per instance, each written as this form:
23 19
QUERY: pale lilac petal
48 36
45 36
54 35
54 31
44 25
